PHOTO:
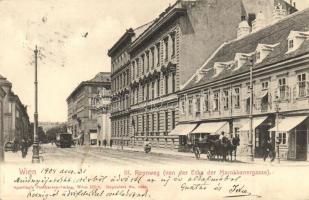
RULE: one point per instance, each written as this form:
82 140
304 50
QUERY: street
50 154
114 156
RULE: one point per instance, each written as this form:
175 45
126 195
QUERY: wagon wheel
197 153
209 155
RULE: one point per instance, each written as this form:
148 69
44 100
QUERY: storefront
183 130
292 135
260 127
212 128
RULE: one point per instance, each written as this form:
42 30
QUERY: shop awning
289 123
183 129
212 128
255 123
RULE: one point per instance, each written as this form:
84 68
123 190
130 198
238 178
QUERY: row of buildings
187 74
89 111
14 119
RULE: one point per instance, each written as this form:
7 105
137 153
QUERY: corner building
217 98
163 55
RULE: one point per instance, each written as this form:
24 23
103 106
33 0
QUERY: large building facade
217 98
163 57
16 124
82 121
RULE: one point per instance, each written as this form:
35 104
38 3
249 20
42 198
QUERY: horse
232 145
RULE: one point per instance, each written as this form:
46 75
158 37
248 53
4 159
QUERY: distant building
48 125
82 122
16 119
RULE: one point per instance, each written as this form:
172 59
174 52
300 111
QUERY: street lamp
35 151
250 145
277 142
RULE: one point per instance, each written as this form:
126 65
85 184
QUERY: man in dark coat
268 150
24 148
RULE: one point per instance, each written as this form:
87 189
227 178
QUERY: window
166 84
128 78
17 114
236 97
226 99
282 138
143 92
291 44
301 82
153 122
152 89
137 123
166 120
173 119
133 70
147 92
137 67
152 57
265 85
166 48
158 121
216 101
158 88
282 88
173 83
190 106
136 95
143 63
147 123
143 124
206 102
173 44
147 62
158 53
198 104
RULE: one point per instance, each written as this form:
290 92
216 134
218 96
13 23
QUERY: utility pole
250 145
35 151
277 132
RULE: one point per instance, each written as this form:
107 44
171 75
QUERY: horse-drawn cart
206 146
213 147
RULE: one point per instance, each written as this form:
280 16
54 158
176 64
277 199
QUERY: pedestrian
104 143
268 150
111 143
24 148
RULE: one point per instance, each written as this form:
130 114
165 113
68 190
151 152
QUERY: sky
73 37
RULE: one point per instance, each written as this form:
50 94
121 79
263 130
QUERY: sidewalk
16 158
240 159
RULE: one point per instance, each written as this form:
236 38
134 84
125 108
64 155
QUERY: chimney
243 28
279 12
259 22
294 4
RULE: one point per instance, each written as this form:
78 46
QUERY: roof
102 78
139 30
4 81
125 37
168 13
272 34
